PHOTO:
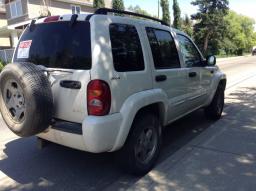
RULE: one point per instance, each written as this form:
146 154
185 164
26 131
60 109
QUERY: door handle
70 84
192 74
161 78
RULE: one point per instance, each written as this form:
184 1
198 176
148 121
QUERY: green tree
240 36
176 15
254 39
98 4
210 25
118 4
137 9
2 64
187 25
165 10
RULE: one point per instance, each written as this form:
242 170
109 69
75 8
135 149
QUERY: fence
6 55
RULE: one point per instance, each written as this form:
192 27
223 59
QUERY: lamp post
158 9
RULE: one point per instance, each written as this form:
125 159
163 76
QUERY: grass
2 64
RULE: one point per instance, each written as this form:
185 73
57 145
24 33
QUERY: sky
244 7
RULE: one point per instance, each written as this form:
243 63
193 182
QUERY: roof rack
105 11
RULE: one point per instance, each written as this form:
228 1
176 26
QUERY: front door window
191 56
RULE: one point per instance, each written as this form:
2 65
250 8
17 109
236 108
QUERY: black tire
214 110
127 155
28 84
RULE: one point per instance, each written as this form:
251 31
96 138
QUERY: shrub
2 64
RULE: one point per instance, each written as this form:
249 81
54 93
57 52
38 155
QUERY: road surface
24 167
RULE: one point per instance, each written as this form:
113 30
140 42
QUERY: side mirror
211 61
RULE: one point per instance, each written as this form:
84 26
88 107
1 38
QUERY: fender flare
131 107
216 81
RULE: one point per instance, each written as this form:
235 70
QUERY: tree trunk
206 42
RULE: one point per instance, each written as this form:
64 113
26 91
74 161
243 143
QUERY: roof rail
105 11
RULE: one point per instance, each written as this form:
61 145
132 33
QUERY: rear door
64 50
119 58
167 72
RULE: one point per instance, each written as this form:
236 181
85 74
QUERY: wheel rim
14 100
146 145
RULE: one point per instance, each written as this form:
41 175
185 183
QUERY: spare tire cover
26 100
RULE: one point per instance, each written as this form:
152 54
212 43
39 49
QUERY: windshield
56 45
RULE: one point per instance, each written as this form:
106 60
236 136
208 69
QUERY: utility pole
45 8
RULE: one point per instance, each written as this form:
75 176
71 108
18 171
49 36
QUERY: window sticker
23 49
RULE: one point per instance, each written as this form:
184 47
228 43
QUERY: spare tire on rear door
26 101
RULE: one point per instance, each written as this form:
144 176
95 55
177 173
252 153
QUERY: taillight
51 19
98 98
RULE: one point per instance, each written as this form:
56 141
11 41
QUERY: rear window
56 45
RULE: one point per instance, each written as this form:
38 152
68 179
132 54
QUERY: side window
191 56
163 49
126 48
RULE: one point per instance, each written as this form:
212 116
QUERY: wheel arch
222 83
220 80
154 101
156 108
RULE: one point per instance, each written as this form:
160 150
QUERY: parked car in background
254 51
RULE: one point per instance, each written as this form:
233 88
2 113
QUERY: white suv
104 83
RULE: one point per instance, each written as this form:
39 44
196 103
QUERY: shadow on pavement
60 168
223 158
56 167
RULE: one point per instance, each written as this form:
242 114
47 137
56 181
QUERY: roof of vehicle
139 19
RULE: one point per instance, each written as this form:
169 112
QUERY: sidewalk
223 157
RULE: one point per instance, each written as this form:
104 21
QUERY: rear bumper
97 134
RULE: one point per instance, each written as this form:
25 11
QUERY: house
19 13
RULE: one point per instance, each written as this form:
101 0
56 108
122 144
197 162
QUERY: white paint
130 91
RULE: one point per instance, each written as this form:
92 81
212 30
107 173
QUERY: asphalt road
24 167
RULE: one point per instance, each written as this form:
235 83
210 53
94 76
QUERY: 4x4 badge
116 78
